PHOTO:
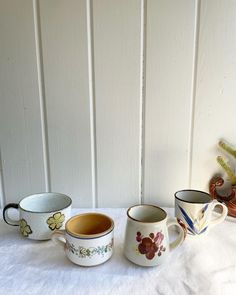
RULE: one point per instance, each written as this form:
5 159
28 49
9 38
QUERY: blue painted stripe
203 230
188 219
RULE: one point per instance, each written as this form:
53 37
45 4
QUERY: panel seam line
142 99
42 97
193 89
92 104
2 188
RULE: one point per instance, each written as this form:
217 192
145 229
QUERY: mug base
91 265
192 237
36 239
143 265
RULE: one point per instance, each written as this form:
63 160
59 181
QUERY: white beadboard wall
114 102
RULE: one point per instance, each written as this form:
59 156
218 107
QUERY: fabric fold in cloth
203 265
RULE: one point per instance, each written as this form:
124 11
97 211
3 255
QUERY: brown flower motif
151 245
182 224
148 247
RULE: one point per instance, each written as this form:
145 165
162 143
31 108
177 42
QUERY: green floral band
89 252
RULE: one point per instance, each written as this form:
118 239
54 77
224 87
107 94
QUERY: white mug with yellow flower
40 214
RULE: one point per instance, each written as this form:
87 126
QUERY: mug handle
6 217
179 240
58 236
223 215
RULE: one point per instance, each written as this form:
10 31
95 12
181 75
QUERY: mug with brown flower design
147 238
40 214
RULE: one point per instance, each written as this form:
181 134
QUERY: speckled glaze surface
89 252
194 209
86 249
40 215
147 238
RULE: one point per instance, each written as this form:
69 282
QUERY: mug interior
193 196
89 225
45 202
146 213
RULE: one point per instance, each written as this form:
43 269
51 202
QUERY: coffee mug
87 238
40 214
194 209
147 239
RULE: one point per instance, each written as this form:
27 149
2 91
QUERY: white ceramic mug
194 209
40 214
87 238
147 239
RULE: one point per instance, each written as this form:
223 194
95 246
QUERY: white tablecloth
204 265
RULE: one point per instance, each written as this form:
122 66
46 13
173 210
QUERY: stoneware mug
194 209
87 238
147 238
40 214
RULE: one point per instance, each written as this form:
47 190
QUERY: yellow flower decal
56 221
25 228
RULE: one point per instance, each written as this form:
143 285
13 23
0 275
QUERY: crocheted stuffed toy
216 185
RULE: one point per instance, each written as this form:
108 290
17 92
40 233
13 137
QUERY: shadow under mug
194 209
87 239
40 214
147 238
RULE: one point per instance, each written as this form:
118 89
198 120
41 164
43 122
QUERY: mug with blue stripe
194 210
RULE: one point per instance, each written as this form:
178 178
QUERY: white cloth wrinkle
204 265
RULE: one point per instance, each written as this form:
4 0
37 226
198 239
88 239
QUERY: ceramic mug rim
193 202
87 236
45 211
146 205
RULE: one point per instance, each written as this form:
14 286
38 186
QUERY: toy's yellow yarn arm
223 163
227 169
225 146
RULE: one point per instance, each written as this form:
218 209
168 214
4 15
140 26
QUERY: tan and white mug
87 238
147 238
194 210
40 214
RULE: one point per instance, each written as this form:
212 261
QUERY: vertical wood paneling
117 72
215 90
20 128
120 87
65 60
170 44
